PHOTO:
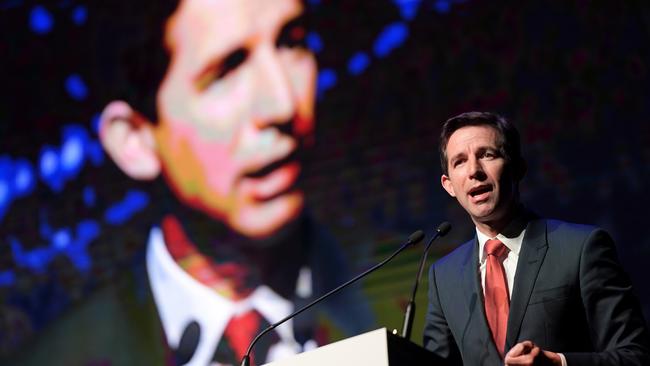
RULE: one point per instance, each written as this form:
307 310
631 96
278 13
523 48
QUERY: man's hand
527 353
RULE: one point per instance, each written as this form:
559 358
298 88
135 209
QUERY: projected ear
128 139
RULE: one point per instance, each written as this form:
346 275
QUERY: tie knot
495 247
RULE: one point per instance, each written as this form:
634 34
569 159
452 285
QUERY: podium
378 348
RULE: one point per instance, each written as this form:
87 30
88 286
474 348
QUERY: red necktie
497 302
241 330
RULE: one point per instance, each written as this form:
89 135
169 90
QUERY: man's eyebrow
458 155
483 149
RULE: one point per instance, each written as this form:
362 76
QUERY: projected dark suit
120 323
570 295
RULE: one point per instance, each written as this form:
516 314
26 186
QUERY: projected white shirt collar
180 299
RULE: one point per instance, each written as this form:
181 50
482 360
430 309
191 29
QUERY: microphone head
416 237
443 228
188 344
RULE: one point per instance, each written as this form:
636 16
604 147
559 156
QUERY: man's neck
229 263
510 224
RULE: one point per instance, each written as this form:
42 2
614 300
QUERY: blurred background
572 75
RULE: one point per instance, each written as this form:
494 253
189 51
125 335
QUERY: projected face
234 107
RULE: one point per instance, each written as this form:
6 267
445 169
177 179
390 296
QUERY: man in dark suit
525 290
235 248
214 102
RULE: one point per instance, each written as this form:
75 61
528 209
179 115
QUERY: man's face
234 107
479 177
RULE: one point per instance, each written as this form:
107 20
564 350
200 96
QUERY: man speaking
526 290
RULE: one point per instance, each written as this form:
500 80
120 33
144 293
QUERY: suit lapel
469 274
531 257
476 334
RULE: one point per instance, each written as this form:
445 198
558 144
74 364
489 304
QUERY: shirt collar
180 299
513 244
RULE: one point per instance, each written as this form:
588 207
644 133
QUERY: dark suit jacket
570 295
119 323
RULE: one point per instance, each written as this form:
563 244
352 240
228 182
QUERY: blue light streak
408 8
391 37
76 87
120 212
326 80
314 42
358 63
79 15
40 20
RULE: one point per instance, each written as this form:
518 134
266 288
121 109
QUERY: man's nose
274 102
476 169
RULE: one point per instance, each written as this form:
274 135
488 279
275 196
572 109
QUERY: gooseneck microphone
442 230
413 239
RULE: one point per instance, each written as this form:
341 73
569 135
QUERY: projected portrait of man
235 250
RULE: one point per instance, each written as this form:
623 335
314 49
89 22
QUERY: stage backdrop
572 75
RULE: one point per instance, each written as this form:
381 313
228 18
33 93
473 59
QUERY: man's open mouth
266 170
477 191
275 179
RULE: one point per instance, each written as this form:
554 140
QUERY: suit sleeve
618 330
437 336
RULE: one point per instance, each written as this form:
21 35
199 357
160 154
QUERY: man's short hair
507 135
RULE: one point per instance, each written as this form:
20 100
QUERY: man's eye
293 35
221 69
231 62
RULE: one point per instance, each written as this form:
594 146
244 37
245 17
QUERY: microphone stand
413 239
442 230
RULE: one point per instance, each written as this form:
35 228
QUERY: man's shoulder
555 231
566 238
567 231
460 256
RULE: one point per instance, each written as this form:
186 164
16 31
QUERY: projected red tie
497 302
241 330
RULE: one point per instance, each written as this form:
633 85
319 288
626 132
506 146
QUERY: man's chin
263 220
491 216
484 214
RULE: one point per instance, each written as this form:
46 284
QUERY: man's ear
128 139
446 184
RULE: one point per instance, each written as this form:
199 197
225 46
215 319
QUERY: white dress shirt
181 299
509 263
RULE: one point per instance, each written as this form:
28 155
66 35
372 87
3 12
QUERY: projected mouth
274 179
269 168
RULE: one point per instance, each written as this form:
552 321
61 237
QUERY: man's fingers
527 359
520 348
523 353
534 352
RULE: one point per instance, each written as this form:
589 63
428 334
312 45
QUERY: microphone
413 239
442 230
188 344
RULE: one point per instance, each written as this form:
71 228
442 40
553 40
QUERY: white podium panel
376 348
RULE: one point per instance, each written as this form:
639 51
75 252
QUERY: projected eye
221 69
232 62
293 35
